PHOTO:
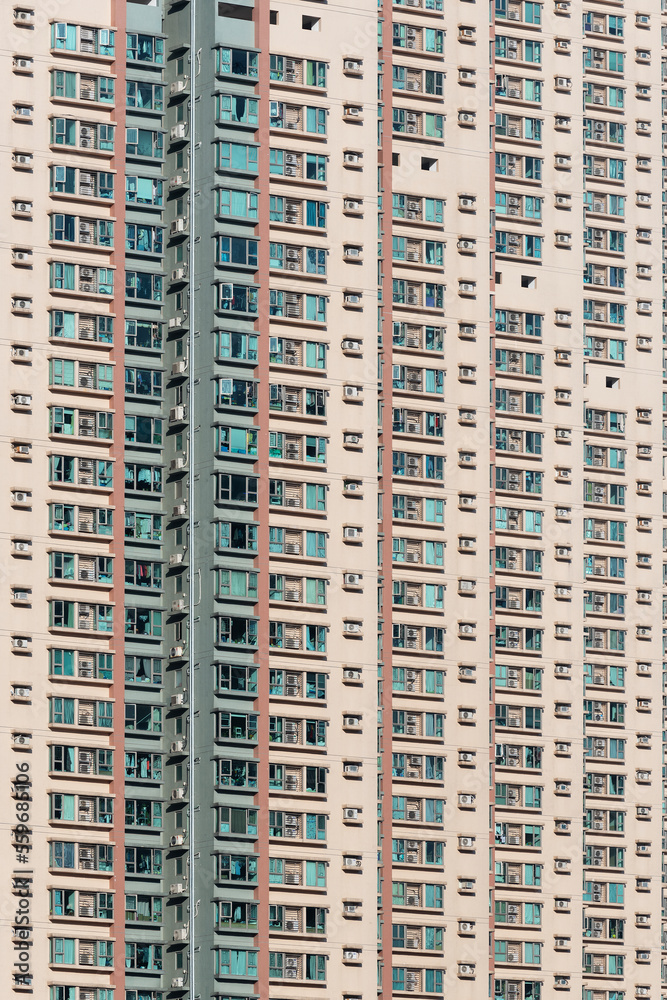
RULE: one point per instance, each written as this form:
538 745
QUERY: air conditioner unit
177 746
177 699
178 983
19 642
20 63
178 605
19 497
177 793
352 579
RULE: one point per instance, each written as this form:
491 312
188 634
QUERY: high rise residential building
333 433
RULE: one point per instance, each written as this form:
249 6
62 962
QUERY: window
237 109
142 95
146 527
236 726
143 812
143 861
236 821
235 631
235 298
143 478
235 535
143 382
236 488
143 573
235 583
236 678
307 213
142 670
147 909
143 718
145 48
143 622
235 250
234 962
143 239
307 259
303 118
143 335
143 430
143 190
308 72
144 142
143 285
69 325
239 203
76 38
237 62
309 166
432 40
236 156
306 353
236 868
145 957
236 773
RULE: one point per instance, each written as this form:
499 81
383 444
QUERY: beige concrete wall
30 521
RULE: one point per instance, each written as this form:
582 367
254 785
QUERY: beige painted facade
46 714
520 406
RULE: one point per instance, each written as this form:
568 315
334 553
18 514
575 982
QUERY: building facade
333 562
